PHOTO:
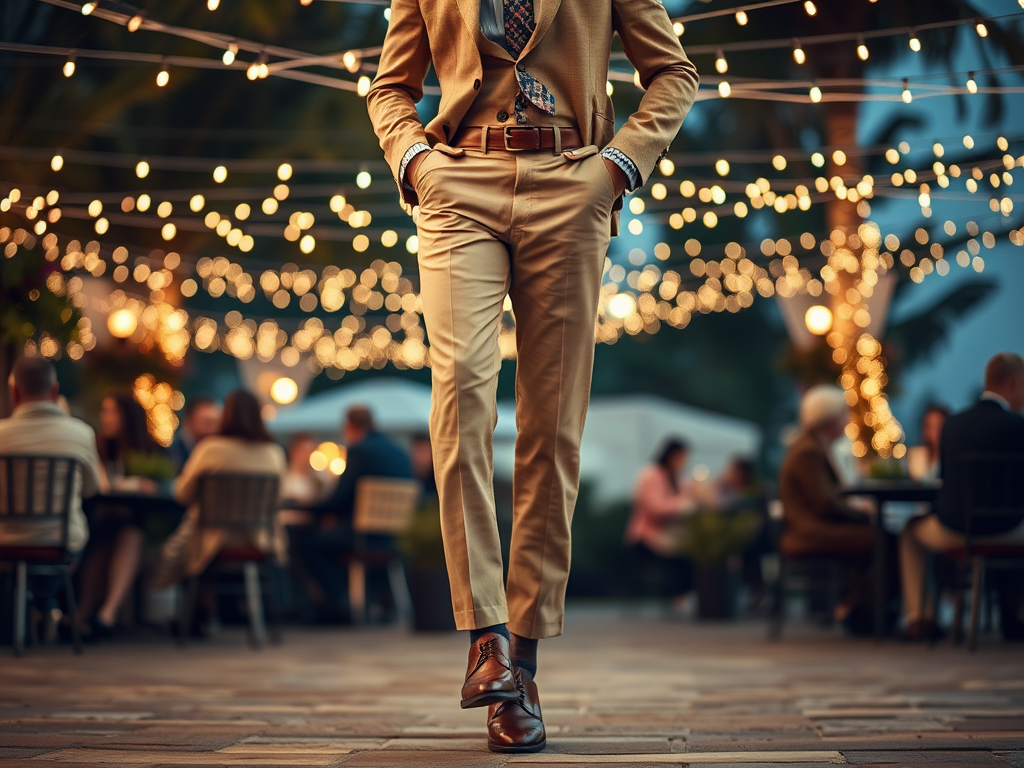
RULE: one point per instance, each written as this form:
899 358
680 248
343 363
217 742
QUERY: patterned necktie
519 26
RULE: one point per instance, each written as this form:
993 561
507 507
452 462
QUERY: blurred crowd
819 514
134 523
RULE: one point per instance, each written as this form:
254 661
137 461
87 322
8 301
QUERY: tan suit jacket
571 46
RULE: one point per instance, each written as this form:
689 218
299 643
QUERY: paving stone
617 690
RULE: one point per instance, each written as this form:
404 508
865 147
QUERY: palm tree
835 124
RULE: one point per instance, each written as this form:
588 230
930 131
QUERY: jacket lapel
544 11
470 10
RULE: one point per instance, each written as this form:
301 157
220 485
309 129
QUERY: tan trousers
535 227
928 534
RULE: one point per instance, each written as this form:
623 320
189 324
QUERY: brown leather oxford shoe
517 726
489 678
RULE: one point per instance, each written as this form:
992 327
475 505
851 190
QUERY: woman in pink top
662 499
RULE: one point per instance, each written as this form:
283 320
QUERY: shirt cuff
628 166
410 153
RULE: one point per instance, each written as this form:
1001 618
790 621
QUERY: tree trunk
7 356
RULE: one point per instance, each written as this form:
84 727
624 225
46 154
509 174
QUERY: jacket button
521 66
476 85
502 116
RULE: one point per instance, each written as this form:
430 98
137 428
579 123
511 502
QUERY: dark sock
524 654
476 634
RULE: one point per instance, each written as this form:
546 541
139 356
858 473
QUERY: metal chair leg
400 591
928 607
254 599
20 599
186 608
777 616
958 616
976 588
357 591
273 606
69 594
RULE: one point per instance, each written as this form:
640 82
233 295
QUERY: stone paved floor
619 689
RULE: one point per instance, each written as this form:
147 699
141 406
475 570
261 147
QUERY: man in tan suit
516 179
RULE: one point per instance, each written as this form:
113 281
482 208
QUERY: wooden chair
384 507
39 489
241 503
993 491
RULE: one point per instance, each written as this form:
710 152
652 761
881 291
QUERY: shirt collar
986 395
46 408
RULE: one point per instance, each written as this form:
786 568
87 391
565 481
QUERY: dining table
915 497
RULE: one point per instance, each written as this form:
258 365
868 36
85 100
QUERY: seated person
662 498
369 454
817 519
135 464
992 425
739 492
40 427
202 419
242 444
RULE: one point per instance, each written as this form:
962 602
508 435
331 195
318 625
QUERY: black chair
240 503
384 508
807 575
39 489
993 492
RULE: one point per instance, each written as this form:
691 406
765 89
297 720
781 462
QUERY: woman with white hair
818 520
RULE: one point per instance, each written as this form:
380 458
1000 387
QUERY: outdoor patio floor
619 689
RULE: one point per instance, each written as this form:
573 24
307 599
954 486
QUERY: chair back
39 488
385 505
238 501
993 493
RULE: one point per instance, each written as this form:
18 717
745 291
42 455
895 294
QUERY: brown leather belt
518 138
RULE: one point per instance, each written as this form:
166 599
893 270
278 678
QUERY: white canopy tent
399 407
623 433
621 436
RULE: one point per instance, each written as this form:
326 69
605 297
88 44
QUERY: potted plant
712 539
426 571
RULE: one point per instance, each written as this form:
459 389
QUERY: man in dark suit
369 454
992 425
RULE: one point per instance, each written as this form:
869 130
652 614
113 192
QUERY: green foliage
28 308
154 466
421 543
710 536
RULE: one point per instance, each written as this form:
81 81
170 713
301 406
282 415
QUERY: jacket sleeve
669 78
392 98
822 494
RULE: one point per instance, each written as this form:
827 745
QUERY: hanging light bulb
815 94
811 8
724 89
88 8
798 52
363 85
906 96
163 76
981 29
213 5
721 65
862 50
69 66
915 41
741 18
972 84
229 55
134 23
